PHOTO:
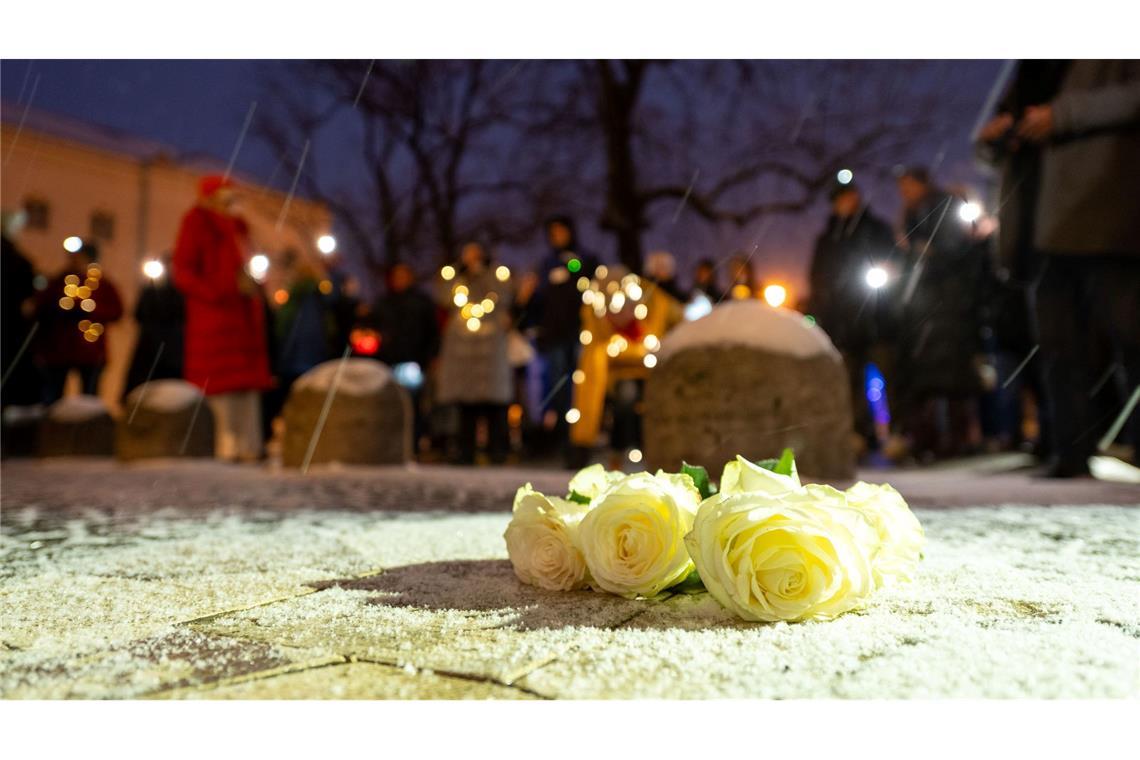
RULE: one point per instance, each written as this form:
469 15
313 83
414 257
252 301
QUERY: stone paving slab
353 680
321 600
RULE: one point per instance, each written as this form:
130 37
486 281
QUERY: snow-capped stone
165 418
77 426
749 379
368 421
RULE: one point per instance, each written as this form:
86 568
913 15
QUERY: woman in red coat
226 353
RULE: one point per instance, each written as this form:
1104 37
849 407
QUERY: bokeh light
775 295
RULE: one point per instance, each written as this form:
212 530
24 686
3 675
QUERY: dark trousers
498 434
55 380
1087 313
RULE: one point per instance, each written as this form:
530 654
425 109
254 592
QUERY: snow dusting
166 396
77 409
750 324
360 377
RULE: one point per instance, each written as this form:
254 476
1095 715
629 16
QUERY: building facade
128 195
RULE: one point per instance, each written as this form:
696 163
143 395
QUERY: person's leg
1116 289
468 422
54 381
225 444
856 363
498 433
1061 314
89 379
247 425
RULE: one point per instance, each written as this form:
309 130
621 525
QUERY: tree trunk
623 214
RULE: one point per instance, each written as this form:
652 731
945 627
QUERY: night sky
199 107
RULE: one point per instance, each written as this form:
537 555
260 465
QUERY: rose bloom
542 541
633 536
799 555
592 480
743 476
900 535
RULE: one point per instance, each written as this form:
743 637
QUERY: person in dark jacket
17 277
1085 249
704 281
553 315
74 311
160 314
406 320
939 328
853 278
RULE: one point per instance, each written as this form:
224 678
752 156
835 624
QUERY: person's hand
996 128
1036 124
527 285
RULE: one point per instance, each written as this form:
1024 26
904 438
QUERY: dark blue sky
199 106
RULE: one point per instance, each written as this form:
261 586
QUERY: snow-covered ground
202 580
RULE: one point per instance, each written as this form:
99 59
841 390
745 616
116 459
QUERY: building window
102 226
38 212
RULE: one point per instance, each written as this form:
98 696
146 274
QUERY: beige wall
77 180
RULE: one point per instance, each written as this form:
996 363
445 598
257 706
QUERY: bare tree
431 151
735 142
448 148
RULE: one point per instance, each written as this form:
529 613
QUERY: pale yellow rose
900 535
800 555
743 476
542 541
633 536
592 480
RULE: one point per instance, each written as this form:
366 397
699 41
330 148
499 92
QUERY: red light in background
364 342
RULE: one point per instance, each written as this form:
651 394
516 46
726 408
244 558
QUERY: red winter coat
225 329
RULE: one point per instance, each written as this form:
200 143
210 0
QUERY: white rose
743 476
542 541
900 535
800 555
633 536
592 480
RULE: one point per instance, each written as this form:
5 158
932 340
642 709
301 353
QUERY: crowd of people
938 318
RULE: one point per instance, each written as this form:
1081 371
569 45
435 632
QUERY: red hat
211 184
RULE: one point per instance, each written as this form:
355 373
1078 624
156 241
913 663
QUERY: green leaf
692 584
577 497
781 466
700 478
786 463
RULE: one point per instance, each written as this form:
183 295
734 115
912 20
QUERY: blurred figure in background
661 270
742 280
74 311
161 317
305 327
1016 265
1081 132
853 279
704 281
474 368
940 331
304 330
623 325
404 317
551 314
17 278
226 352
